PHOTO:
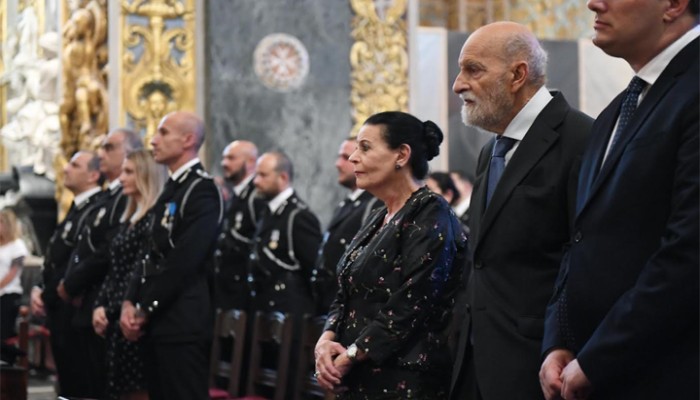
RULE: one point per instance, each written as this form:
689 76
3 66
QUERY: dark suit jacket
347 220
516 245
630 278
284 250
174 291
89 262
233 249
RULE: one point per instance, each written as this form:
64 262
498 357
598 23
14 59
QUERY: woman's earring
397 167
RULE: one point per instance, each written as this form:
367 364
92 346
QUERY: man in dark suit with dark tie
236 237
285 244
520 209
82 177
347 219
623 323
169 299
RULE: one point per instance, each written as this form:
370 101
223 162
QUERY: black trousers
79 355
178 370
9 308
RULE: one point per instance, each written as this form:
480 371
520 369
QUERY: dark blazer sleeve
427 250
192 248
307 239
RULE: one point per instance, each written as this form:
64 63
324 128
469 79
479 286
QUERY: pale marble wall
307 123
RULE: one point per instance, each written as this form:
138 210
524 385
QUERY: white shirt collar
355 194
463 206
176 175
238 189
81 198
275 203
651 71
114 184
522 122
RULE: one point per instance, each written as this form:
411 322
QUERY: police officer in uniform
238 228
347 219
168 304
286 242
82 177
89 261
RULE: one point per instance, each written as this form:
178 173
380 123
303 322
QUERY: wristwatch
352 353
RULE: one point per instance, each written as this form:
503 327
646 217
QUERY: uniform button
155 304
277 288
272 303
342 241
578 236
282 286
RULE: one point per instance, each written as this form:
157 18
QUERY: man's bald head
238 160
178 139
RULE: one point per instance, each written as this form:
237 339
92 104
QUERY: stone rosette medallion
281 62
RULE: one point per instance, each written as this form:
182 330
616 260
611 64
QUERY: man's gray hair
525 46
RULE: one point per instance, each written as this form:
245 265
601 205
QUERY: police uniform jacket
347 220
89 262
172 287
284 252
234 246
58 252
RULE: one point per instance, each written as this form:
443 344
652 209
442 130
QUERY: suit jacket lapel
597 145
539 138
590 182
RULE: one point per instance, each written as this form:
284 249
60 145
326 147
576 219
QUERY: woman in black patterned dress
142 180
386 335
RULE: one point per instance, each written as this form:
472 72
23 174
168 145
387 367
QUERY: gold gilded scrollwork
158 61
378 58
84 107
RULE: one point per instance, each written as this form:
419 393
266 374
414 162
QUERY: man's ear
675 9
520 71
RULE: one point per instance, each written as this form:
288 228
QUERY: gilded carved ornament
158 74
378 58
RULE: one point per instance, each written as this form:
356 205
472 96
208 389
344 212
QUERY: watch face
352 351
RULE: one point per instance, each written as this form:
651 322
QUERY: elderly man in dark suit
169 299
624 321
520 209
348 218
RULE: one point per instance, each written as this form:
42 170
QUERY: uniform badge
167 220
238 221
66 230
100 214
274 239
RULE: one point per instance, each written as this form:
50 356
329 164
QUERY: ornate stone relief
30 124
281 62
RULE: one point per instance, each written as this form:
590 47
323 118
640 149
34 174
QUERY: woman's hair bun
433 137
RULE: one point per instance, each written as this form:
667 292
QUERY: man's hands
561 377
100 321
37 303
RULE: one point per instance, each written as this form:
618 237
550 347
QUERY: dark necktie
629 104
498 163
